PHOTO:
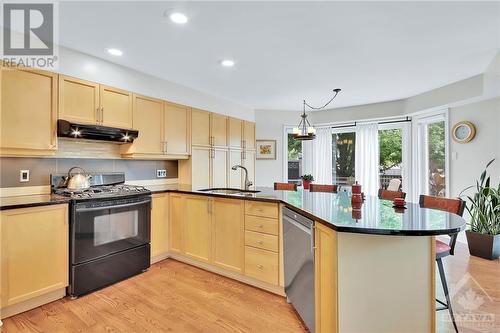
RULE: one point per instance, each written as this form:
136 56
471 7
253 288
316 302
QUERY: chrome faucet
248 183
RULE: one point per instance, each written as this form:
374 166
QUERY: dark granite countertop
376 216
24 201
332 209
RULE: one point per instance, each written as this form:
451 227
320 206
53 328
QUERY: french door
431 172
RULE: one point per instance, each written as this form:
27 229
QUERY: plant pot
306 184
484 246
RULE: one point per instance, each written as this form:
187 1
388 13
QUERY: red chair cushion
442 247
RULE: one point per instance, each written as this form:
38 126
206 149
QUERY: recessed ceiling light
178 18
115 52
227 63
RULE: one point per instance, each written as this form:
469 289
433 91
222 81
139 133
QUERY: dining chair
323 188
394 184
390 195
285 186
455 206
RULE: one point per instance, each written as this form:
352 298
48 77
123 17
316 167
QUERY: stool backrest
390 195
394 184
323 188
285 186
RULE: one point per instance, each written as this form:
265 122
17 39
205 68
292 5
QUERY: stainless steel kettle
78 181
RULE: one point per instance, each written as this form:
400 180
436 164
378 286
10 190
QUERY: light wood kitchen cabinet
159 226
177 129
78 100
228 227
116 107
325 275
261 265
34 252
148 120
198 228
234 177
248 135
176 211
28 112
219 168
201 173
200 128
218 130
235 133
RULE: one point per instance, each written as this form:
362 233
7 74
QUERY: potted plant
483 237
306 181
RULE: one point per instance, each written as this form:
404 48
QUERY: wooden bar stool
455 206
285 186
323 188
390 195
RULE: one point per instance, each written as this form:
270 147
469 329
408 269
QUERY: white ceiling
287 51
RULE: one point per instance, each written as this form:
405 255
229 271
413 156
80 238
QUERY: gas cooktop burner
102 191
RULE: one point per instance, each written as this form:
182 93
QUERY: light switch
24 176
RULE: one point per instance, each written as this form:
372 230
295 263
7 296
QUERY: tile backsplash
41 168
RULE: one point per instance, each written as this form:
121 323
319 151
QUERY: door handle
102 114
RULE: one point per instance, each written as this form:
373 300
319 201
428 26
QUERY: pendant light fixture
305 131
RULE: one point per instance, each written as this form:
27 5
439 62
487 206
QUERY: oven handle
90 209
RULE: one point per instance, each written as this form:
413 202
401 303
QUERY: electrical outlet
161 173
24 176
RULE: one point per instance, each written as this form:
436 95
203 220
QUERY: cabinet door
218 128
177 129
28 112
159 225
234 177
219 168
176 221
34 252
248 135
248 161
228 224
197 227
235 133
200 127
200 174
78 100
325 279
148 120
116 107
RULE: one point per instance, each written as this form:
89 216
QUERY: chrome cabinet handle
165 147
260 267
260 242
102 114
97 114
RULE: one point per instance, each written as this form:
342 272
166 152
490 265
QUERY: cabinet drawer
263 209
262 241
261 265
261 224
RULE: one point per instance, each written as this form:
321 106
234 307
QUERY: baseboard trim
159 257
30 304
232 275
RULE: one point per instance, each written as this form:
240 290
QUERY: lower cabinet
176 218
261 264
159 226
325 274
34 252
198 227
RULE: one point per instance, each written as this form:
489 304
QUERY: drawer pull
260 242
260 267
261 226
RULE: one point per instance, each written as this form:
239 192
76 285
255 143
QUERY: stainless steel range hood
95 132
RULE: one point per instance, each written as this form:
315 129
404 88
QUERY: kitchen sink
228 191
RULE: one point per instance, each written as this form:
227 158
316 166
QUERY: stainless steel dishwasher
298 238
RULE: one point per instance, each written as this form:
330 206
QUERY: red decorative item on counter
356 198
399 202
356 188
306 184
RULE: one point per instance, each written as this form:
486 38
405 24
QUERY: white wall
90 68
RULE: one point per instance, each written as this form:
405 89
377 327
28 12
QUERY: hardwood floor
176 297
170 297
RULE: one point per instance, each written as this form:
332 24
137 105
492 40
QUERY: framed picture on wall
266 149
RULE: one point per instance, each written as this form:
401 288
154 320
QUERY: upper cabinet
200 128
177 129
92 103
78 100
116 107
235 133
28 112
218 130
248 135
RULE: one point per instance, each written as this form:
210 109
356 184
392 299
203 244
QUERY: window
294 159
343 155
391 155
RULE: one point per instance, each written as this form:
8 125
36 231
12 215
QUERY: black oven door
107 226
